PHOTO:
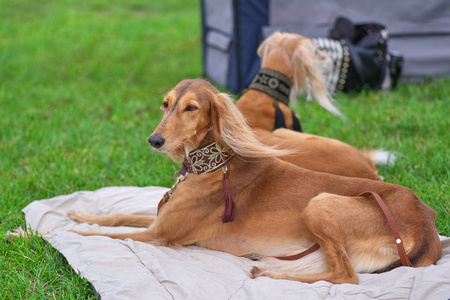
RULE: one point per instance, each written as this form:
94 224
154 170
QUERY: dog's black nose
156 141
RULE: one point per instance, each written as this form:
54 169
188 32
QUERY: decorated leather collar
206 159
273 83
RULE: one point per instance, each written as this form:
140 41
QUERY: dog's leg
353 234
148 235
320 219
339 271
112 220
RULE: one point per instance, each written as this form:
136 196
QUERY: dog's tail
380 157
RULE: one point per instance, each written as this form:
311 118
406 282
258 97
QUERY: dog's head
195 113
187 118
304 63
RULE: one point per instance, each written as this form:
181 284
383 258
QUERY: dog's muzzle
156 141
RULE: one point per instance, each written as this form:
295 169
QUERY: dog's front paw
80 217
20 233
258 272
17 233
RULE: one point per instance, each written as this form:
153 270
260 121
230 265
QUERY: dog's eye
165 105
190 108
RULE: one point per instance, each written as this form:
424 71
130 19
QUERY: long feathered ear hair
230 130
308 75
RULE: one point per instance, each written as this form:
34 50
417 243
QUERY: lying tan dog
235 196
292 63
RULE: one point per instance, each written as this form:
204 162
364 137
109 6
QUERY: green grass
80 88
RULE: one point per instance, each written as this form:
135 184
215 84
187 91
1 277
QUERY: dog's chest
253 246
232 244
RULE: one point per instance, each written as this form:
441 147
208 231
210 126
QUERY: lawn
80 88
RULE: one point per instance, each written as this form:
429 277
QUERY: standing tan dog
293 63
236 197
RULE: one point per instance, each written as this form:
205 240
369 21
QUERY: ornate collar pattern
206 159
273 83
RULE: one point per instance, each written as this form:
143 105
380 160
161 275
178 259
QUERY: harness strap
279 116
398 241
280 122
296 123
278 86
310 250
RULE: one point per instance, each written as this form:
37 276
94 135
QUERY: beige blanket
135 270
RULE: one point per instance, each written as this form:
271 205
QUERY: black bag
361 56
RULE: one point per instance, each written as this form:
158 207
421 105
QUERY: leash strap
398 241
310 250
273 83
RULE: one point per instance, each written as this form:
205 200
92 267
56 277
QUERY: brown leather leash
398 240
394 229
310 250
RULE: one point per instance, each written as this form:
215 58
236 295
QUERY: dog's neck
274 83
278 59
206 159
275 76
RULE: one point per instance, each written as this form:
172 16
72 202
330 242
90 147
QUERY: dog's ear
231 131
229 125
267 44
308 74
214 116
217 111
262 49
299 61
